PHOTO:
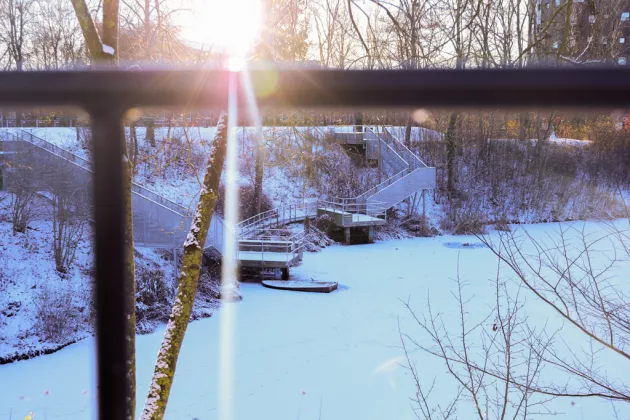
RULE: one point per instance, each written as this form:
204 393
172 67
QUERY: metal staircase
410 173
158 222
162 223
405 172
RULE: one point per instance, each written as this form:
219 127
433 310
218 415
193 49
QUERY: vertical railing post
109 214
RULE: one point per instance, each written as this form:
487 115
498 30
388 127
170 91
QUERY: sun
228 25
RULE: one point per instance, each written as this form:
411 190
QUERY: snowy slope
311 356
30 287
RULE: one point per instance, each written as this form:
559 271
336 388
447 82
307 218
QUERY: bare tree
22 209
573 274
69 202
335 43
22 184
164 372
495 361
15 17
57 36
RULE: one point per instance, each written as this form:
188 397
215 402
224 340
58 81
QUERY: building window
547 5
555 45
557 3
604 40
622 40
622 61
591 18
625 16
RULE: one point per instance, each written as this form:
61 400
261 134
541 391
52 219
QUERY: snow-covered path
298 355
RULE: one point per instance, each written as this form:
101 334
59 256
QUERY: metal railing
218 229
413 159
276 217
108 94
384 184
266 242
353 206
87 165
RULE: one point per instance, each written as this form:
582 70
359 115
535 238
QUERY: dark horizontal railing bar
595 87
106 94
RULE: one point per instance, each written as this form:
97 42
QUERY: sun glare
228 25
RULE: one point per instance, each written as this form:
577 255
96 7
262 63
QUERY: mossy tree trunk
164 372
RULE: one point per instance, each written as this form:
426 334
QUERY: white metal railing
218 229
389 181
266 242
412 158
87 165
354 206
276 217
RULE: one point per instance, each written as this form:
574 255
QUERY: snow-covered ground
32 289
180 183
312 356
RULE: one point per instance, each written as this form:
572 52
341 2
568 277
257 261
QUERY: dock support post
371 234
347 235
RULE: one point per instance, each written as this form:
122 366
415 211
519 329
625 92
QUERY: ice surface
299 354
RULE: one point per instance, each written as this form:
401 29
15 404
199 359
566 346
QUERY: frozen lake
310 356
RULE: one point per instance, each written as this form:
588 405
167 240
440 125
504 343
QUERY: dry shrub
502 225
247 206
153 296
419 226
315 240
325 224
57 314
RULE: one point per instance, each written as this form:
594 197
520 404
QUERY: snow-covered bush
324 223
153 295
57 314
338 176
418 226
315 240
246 204
23 192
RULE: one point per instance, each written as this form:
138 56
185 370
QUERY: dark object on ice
302 286
464 245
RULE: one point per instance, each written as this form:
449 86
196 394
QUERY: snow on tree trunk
164 372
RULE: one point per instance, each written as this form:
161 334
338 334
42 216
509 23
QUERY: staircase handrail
389 181
406 150
269 217
372 208
23 135
86 164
